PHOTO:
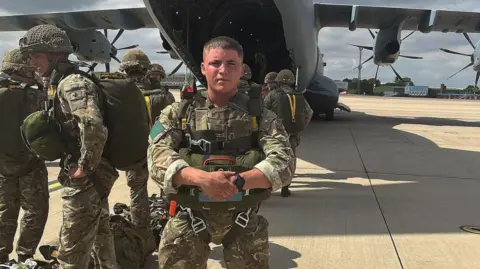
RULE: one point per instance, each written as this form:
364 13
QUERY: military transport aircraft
474 58
275 34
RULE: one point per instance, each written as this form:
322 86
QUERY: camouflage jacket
163 157
78 109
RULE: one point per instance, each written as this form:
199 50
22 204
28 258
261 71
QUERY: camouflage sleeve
268 101
279 162
79 96
162 155
170 98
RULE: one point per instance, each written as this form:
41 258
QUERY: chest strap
206 142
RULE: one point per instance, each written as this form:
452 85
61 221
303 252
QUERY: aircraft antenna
359 69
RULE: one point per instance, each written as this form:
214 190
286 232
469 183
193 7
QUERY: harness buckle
243 218
198 224
203 144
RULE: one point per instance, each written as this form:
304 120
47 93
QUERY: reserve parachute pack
201 150
13 110
291 110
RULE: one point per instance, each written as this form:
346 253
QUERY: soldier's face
40 61
222 69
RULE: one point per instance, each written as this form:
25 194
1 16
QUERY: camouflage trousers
181 248
137 179
294 143
23 183
85 230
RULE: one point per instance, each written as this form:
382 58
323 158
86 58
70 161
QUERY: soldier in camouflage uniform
23 176
285 82
269 83
155 75
244 84
136 64
224 112
85 226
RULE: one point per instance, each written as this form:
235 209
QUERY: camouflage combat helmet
286 77
134 59
247 72
14 62
156 69
270 77
46 38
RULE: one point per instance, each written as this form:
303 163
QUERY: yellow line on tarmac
54 185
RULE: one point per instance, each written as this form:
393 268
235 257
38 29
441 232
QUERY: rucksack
291 110
130 245
126 117
14 108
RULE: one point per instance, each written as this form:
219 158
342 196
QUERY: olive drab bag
126 117
130 245
13 110
291 110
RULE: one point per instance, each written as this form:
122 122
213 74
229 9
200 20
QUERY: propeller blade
376 73
396 73
454 52
105 32
360 46
176 69
410 57
162 52
408 35
467 66
373 36
371 57
115 58
468 39
128 47
107 67
117 36
476 80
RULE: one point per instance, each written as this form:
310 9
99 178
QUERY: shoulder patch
156 129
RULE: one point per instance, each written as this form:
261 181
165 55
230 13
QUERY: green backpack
126 118
14 108
291 110
130 246
124 114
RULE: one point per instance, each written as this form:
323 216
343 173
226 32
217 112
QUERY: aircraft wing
376 17
127 18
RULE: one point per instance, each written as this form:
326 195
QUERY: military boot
285 191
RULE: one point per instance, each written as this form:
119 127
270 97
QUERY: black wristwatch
239 182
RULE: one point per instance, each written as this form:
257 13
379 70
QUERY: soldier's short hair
223 42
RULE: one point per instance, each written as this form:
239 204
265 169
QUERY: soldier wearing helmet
269 83
285 85
155 75
79 114
245 80
23 176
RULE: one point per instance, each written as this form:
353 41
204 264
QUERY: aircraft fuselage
476 57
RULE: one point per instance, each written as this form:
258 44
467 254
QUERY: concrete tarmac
386 186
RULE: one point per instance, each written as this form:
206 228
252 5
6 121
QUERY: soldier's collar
238 100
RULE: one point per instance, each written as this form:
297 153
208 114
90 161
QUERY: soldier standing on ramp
155 75
184 159
292 109
269 83
23 176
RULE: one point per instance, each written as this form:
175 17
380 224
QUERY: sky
433 70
